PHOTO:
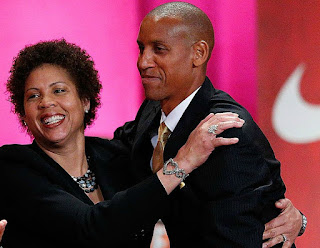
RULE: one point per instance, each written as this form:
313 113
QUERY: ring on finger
284 238
213 129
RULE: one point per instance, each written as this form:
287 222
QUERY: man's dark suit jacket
45 208
226 201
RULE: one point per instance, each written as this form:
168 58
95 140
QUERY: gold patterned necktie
157 159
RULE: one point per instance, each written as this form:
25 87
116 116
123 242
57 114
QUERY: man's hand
287 223
3 224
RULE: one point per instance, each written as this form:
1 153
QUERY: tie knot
163 133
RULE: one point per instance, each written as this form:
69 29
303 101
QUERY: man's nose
146 60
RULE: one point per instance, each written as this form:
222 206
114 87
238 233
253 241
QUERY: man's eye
141 48
158 48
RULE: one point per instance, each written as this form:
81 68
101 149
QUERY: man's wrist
303 225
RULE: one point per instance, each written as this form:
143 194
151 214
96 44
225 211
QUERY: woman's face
54 112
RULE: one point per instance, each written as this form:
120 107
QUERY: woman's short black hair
71 57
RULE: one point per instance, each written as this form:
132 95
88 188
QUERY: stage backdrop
108 29
289 102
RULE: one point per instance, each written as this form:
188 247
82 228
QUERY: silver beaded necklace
87 182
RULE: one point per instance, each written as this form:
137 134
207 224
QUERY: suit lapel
142 148
149 120
146 122
196 111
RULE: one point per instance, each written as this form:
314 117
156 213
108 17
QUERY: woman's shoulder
13 157
14 151
106 145
106 152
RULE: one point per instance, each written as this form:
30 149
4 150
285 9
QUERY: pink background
108 31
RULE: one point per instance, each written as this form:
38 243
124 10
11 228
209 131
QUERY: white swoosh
294 119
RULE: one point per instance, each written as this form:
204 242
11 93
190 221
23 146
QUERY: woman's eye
33 96
59 91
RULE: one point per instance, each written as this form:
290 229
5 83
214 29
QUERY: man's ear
201 53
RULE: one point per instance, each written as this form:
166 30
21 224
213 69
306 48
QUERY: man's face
165 61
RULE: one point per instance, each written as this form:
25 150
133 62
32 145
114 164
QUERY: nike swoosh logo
294 119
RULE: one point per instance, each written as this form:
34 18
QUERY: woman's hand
3 224
203 140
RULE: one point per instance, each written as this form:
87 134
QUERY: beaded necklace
87 182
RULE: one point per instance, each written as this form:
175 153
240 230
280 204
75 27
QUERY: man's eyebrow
153 42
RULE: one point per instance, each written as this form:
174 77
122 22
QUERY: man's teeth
53 119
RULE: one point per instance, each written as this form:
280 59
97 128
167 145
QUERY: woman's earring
86 111
24 123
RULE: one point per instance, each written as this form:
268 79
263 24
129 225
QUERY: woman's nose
47 102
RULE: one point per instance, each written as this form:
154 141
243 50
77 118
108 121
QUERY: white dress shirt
173 117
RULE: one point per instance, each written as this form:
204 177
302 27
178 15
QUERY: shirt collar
175 115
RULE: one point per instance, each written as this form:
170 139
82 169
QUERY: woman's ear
86 105
201 53
23 121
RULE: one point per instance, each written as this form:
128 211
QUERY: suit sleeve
38 209
246 184
125 134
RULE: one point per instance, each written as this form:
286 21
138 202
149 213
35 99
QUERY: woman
63 187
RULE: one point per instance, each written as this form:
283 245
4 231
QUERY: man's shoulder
149 105
222 102
211 100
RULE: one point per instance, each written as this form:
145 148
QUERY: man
226 202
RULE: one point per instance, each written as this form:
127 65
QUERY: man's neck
167 105
173 118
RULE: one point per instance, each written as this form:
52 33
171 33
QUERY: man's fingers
283 203
288 222
272 233
278 221
277 240
273 242
287 244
